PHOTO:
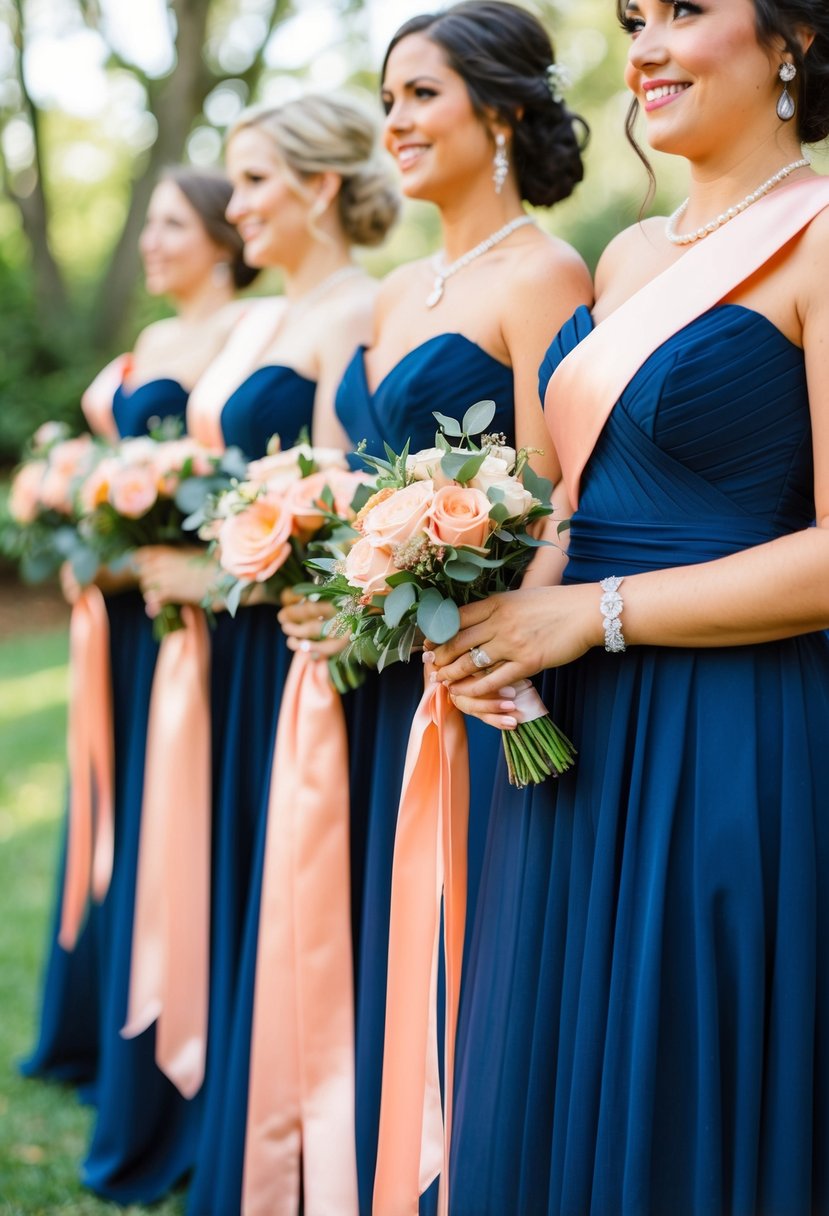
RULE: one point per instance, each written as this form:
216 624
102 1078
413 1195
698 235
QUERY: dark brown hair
208 193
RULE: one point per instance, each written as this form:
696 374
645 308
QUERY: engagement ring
480 657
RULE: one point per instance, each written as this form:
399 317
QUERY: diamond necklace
443 272
688 238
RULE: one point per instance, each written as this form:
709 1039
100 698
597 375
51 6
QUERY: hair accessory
500 162
558 80
611 605
480 657
444 272
785 102
688 238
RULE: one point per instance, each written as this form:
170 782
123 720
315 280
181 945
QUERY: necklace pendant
436 294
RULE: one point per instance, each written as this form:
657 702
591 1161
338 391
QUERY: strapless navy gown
448 373
250 664
75 991
147 1135
646 1012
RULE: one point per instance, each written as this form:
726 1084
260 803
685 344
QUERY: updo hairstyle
502 53
331 133
208 193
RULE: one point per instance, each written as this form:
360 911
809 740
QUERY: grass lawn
43 1129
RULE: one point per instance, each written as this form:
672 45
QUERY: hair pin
558 81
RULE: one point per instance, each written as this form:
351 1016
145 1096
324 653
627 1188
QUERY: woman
307 188
648 984
191 256
475 128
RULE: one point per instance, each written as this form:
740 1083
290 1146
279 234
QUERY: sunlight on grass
43 1129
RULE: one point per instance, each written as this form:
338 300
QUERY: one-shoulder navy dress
645 1027
75 988
447 373
147 1135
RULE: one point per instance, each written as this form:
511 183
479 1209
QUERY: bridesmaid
308 187
648 995
191 256
476 126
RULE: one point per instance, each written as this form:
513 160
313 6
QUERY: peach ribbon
589 381
96 402
301 1103
90 844
170 943
429 860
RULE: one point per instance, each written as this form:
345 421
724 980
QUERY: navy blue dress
644 1026
448 373
75 990
147 1135
250 665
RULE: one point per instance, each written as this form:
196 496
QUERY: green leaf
449 426
460 571
478 417
233 597
84 564
402 576
398 603
499 511
361 496
406 642
442 442
438 618
530 541
470 467
539 487
306 466
234 464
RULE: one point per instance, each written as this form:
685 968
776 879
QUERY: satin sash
90 844
590 380
96 402
170 941
301 1103
251 336
429 860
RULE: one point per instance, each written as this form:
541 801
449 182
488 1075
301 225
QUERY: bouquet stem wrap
89 851
170 942
301 1103
429 861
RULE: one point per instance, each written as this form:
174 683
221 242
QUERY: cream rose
424 465
401 516
281 469
460 516
254 543
133 490
367 566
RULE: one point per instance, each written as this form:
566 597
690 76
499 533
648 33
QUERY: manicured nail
428 656
509 691
507 705
509 721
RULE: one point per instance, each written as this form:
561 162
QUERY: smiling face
266 206
702 78
177 253
440 144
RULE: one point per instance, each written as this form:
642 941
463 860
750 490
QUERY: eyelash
422 92
633 25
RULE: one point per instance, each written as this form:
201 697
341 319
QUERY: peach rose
24 495
304 498
95 488
281 469
254 543
48 433
67 463
367 566
401 516
170 457
460 516
133 490
138 450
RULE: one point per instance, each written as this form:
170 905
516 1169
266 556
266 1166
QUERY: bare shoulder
636 246
548 258
158 336
812 280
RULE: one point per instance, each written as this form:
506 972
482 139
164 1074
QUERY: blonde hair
332 133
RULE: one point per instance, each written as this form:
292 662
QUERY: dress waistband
598 547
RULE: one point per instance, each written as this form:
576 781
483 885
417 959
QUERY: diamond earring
785 102
500 162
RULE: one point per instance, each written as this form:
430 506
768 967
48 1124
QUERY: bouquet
40 530
445 526
142 492
263 525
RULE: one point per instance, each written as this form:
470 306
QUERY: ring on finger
480 657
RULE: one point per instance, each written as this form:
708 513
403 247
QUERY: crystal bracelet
611 605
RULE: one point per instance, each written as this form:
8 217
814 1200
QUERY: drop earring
785 102
500 162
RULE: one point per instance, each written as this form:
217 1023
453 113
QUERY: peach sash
429 860
170 941
96 402
301 1104
90 844
170 973
590 379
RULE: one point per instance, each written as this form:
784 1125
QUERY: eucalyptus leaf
478 417
461 572
233 598
438 618
449 426
530 541
402 576
470 467
398 603
499 512
539 487
84 564
234 464
192 493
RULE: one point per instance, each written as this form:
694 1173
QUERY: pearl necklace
688 238
299 305
444 272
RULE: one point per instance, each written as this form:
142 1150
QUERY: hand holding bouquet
446 526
